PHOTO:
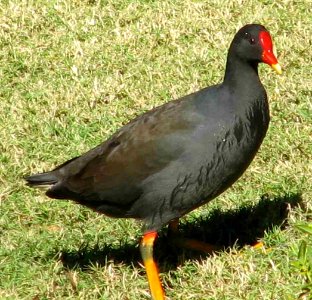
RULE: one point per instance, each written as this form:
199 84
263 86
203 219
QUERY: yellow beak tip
277 68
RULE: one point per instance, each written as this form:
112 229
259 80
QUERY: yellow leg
146 248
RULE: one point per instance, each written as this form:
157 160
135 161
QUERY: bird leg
190 243
195 244
146 248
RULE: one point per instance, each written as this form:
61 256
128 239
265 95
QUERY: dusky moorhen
178 156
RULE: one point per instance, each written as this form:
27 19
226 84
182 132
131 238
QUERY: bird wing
114 170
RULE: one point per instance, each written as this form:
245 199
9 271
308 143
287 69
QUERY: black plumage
180 155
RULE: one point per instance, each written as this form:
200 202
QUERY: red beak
268 56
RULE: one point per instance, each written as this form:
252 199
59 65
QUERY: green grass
72 72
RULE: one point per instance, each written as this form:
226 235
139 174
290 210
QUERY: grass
72 72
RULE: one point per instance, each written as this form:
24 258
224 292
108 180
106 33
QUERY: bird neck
240 74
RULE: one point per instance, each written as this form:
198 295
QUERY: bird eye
250 39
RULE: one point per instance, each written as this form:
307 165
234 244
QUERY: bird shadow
240 227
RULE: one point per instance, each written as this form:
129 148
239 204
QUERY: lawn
72 72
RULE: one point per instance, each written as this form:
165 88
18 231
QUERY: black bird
178 156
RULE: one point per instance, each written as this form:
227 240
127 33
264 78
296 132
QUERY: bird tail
41 179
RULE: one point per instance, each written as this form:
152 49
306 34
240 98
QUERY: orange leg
146 248
190 243
195 244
